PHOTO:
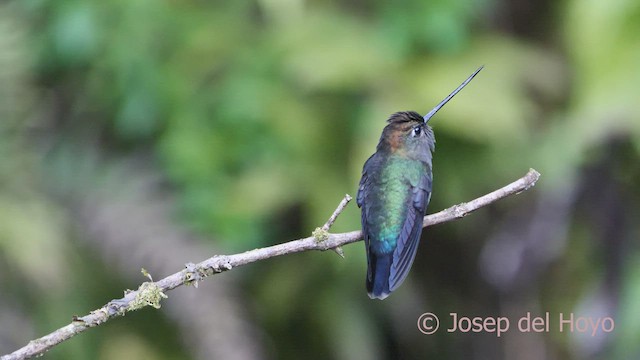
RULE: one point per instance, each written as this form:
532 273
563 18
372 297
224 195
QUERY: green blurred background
154 133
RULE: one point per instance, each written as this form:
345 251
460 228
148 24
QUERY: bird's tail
378 276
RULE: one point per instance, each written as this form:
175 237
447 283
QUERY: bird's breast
389 200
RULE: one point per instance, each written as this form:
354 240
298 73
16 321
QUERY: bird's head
408 133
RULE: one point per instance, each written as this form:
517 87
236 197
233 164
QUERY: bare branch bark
150 293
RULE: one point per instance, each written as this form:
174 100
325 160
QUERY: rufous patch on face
397 135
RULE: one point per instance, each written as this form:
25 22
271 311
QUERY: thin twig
323 232
343 204
150 293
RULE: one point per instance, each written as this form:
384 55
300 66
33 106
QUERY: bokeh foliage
255 117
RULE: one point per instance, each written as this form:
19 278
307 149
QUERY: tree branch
150 293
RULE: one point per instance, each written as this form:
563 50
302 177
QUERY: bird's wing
409 237
360 200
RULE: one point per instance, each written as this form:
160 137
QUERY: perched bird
394 192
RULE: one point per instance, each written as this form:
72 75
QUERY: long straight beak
435 109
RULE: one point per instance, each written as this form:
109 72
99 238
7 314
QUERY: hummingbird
394 192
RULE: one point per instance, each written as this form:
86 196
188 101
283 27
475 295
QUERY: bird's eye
417 130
